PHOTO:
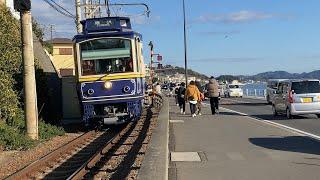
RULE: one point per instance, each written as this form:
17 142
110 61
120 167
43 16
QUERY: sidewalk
234 147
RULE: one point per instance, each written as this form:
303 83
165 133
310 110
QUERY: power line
60 9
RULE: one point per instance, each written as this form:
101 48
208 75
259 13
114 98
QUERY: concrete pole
29 80
185 44
2 2
78 16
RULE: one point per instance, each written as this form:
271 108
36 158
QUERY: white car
233 90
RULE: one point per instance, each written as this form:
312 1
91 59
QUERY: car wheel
274 111
288 113
318 115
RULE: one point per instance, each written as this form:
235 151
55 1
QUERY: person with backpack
192 96
181 98
213 93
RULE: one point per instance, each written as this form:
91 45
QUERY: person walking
192 96
199 104
213 93
158 88
176 92
181 98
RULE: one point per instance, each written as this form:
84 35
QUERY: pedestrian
176 91
192 96
199 104
181 98
213 94
158 88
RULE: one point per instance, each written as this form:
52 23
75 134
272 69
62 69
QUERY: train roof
106 27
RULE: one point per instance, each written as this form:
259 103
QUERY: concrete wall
70 101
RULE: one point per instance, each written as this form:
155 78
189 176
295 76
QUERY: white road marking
176 121
185 156
281 126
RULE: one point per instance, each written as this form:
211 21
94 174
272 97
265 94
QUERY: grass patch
12 137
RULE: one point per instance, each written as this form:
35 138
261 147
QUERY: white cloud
235 17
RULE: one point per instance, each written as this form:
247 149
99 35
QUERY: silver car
297 97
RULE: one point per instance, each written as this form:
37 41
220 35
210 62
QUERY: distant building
62 56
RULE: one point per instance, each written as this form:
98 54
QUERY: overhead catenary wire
60 9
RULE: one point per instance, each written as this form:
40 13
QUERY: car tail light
290 97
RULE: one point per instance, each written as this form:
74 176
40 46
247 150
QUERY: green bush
12 123
11 138
48 131
10 64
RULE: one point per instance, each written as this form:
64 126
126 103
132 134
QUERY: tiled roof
60 41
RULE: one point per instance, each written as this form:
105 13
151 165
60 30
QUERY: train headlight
107 85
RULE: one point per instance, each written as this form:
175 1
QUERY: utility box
70 103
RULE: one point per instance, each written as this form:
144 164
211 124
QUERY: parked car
297 97
272 87
233 90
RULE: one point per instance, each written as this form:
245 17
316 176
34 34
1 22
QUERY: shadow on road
290 143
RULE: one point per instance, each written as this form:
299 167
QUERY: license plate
306 100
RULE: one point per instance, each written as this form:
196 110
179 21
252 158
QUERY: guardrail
255 93
156 162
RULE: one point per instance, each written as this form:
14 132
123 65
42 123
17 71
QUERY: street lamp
185 43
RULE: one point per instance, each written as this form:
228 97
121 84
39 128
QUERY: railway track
122 158
88 155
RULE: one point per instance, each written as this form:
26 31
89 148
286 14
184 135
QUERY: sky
223 36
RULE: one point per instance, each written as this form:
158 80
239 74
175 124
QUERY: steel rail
37 165
85 168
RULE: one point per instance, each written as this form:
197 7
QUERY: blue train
110 70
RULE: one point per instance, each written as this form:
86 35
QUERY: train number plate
306 100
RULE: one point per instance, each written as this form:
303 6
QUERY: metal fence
258 93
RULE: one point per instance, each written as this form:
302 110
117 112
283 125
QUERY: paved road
259 109
232 146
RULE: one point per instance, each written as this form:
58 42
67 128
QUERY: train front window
106 56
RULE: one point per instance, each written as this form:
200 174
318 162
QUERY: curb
156 162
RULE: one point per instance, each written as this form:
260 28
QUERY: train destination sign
106 24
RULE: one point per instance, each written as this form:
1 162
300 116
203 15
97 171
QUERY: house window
65 51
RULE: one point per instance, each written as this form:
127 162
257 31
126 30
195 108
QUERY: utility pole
2 2
151 62
185 44
78 16
29 80
51 32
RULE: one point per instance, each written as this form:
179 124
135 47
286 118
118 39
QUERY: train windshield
106 56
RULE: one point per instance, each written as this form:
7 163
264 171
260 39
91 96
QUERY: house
62 56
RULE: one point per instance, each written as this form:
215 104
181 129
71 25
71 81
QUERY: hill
274 75
172 70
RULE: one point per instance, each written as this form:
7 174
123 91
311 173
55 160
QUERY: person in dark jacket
176 91
213 94
199 104
181 98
